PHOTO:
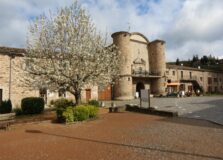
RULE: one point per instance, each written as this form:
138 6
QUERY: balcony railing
144 73
191 78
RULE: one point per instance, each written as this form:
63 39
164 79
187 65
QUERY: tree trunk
77 96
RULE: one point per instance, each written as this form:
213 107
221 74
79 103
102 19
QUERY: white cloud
196 30
188 26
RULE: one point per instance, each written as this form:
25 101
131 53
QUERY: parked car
173 94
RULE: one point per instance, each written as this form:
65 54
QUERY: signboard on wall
145 98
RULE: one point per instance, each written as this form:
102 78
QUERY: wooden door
105 93
88 94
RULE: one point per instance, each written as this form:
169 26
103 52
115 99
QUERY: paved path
206 107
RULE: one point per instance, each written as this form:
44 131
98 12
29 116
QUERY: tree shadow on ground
126 145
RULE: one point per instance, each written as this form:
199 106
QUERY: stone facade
143 65
209 81
11 86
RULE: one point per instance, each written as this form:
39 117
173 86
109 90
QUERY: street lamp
11 56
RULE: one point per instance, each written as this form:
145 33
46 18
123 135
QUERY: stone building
192 79
11 87
143 67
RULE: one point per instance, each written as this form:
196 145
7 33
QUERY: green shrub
78 113
32 105
18 111
52 102
93 111
94 103
81 113
6 106
68 115
60 105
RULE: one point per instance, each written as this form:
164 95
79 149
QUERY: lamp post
11 56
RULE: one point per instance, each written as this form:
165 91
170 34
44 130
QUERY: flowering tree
64 50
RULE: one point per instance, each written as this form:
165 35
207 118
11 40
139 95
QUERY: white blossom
66 50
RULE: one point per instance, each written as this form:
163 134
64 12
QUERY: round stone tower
157 66
123 87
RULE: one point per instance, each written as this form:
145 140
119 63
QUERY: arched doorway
139 87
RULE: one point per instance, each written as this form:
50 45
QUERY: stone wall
13 89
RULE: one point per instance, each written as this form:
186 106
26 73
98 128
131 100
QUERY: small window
129 78
209 80
43 92
173 73
0 96
190 75
215 80
182 74
216 89
201 78
62 92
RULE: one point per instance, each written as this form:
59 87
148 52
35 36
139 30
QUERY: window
209 89
201 78
215 89
0 96
173 73
167 72
215 80
209 80
182 74
62 92
190 75
42 92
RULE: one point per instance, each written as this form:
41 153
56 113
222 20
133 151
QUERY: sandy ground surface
114 136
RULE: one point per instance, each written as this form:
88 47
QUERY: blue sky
188 26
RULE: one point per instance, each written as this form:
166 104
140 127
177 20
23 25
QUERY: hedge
32 105
6 106
78 113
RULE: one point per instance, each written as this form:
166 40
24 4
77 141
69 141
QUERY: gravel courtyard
115 136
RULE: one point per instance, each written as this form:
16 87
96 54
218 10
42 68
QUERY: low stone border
6 120
117 109
152 111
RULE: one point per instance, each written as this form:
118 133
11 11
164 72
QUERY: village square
78 84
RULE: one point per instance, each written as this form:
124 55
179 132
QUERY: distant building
193 79
143 66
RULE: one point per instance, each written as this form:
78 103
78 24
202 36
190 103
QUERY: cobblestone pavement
115 136
206 107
